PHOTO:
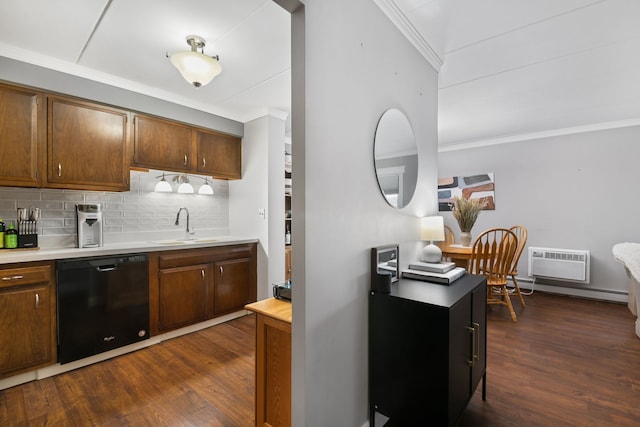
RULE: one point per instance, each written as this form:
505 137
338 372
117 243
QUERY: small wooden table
458 254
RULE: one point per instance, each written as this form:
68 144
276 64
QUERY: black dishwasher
103 303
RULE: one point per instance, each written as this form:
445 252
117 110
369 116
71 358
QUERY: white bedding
628 254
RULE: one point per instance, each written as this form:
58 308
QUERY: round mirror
395 155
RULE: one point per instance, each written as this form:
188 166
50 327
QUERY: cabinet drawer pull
476 352
204 162
185 160
37 300
18 277
472 331
59 169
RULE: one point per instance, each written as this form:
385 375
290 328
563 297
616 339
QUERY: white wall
575 191
356 65
261 189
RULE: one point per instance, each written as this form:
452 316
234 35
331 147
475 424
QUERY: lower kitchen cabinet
193 285
28 317
273 362
183 295
231 292
427 350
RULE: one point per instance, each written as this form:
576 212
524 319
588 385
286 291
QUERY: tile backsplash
138 214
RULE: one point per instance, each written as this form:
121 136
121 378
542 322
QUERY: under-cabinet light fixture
184 184
196 67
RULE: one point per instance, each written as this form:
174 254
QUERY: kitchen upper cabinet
28 318
163 144
219 155
192 285
22 118
87 146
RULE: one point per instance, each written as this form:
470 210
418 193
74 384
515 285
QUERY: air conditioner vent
561 264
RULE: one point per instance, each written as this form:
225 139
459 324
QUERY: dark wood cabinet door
87 146
479 346
219 155
232 287
26 316
163 144
21 122
182 296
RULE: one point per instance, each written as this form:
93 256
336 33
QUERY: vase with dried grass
466 212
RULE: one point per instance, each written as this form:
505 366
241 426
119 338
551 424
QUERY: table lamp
432 229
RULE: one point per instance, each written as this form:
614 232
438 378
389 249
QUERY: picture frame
380 257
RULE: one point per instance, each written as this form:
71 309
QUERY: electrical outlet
262 213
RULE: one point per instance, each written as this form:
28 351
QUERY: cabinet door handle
37 300
204 163
185 160
59 169
476 353
221 270
472 331
7 278
202 273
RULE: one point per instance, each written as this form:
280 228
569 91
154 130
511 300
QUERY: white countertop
8 256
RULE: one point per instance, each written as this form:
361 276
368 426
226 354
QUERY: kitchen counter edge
8 256
271 307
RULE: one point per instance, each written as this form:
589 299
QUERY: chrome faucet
188 234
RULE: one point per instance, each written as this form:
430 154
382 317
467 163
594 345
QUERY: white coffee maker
89 217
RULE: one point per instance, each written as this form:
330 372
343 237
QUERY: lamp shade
432 228
185 188
205 188
163 186
196 68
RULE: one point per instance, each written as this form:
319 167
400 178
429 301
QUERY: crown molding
538 135
393 12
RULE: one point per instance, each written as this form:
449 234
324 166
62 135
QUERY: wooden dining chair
449 239
521 233
449 236
492 254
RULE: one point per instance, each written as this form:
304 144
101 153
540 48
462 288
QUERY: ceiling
509 70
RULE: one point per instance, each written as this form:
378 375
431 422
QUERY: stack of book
438 272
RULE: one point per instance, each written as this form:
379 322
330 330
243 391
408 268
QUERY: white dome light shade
163 186
205 189
185 188
196 67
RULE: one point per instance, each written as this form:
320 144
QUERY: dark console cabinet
427 350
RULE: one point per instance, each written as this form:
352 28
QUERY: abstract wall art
479 186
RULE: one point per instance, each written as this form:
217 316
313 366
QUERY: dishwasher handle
106 268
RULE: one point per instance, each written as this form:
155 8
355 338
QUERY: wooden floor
202 379
566 362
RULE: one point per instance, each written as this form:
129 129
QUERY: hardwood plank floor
566 362
202 379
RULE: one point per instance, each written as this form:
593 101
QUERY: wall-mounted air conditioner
560 264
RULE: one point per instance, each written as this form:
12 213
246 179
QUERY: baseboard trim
611 295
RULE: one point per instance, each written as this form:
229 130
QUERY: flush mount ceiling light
196 67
